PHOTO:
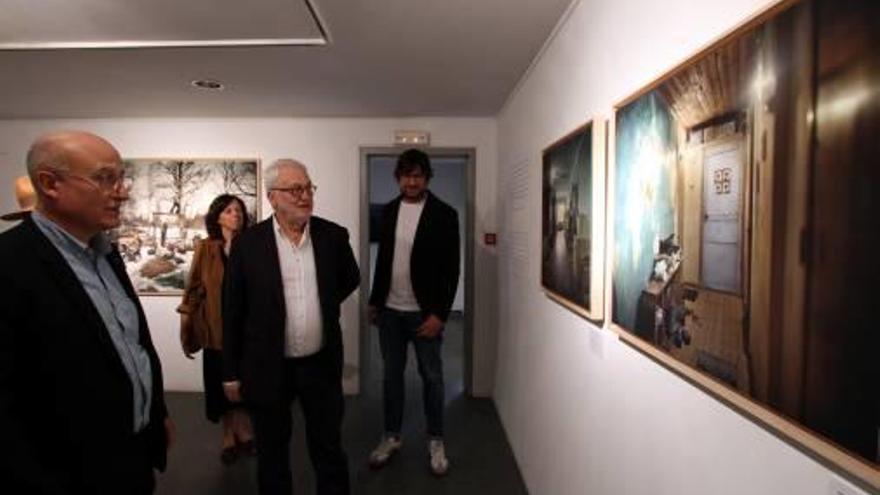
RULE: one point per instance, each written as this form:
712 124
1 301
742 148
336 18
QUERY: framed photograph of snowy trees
165 215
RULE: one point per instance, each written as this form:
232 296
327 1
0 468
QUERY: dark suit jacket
66 405
254 310
435 260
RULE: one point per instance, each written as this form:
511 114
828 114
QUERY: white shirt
302 329
401 296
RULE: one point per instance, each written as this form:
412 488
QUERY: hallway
480 456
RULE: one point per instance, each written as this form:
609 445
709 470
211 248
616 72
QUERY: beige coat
201 324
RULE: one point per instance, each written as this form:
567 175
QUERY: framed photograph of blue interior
572 223
744 225
165 215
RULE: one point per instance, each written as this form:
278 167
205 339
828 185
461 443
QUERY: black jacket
254 310
66 405
435 260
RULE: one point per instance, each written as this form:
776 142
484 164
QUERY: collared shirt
401 295
117 310
303 330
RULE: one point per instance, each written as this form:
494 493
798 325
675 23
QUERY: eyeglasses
298 190
104 181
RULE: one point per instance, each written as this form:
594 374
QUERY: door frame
366 335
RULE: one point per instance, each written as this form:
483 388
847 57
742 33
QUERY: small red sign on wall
490 239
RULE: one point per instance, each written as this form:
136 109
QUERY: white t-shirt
401 296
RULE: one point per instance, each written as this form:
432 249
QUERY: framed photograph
165 215
572 228
743 229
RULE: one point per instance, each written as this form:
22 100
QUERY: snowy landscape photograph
165 215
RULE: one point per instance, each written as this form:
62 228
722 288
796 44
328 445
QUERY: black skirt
216 404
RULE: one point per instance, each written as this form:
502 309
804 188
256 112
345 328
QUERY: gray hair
270 174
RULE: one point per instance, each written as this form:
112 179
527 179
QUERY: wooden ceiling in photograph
713 85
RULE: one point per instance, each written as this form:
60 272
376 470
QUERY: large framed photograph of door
572 223
743 225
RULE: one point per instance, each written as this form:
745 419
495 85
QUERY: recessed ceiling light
207 84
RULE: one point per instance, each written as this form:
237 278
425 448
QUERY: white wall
584 412
330 147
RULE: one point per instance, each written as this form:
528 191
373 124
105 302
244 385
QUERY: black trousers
127 468
319 390
142 475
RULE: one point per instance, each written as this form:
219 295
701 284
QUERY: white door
722 218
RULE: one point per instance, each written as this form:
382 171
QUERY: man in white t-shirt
416 278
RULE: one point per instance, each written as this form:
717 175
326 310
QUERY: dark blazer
435 260
66 405
254 310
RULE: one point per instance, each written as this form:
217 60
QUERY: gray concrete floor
480 456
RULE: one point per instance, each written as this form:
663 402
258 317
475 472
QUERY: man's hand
430 328
170 433
232 390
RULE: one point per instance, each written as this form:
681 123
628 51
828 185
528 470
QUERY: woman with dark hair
201 326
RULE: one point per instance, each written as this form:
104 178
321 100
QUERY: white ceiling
382 57
89 23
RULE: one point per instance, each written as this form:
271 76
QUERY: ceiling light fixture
207 84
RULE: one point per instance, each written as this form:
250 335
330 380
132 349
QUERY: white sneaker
437 453
383 452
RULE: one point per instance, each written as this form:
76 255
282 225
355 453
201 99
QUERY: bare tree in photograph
184 179
239 178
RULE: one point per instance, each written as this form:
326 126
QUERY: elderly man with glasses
81 396
285 281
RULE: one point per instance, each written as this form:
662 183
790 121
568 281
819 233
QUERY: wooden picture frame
572 223
718 213
164 217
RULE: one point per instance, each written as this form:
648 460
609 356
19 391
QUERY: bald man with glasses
81 397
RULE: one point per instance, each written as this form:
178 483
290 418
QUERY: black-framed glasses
105 180
296 191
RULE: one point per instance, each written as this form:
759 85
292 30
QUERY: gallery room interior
668 212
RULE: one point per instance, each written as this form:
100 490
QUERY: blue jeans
396 330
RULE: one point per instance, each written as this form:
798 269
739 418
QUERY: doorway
453 182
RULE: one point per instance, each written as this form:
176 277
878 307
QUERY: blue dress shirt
117 310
